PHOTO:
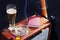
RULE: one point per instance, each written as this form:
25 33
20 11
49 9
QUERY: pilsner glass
11 12
17 31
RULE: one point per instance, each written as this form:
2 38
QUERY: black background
53 8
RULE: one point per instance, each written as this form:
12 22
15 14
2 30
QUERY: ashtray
18 31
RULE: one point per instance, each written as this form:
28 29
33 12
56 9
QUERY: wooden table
43 24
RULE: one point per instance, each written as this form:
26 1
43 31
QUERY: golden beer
11 16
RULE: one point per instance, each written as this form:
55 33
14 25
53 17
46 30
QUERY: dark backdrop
33 6
54 9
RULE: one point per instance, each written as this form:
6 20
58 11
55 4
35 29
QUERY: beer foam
11 11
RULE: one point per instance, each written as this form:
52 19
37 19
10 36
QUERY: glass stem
12 23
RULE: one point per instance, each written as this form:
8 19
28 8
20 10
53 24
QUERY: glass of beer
11 12
17 31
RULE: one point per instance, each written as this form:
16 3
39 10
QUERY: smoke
46 3
25 12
